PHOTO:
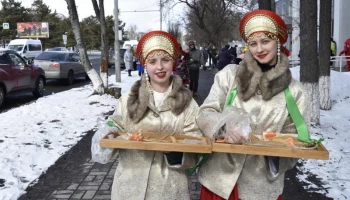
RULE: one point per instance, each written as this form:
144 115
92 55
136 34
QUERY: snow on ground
35 135
335 129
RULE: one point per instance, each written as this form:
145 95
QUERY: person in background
140 68
260 82
333 51
210 53
205 55
346 51
225 57
157 103
215 57
195 60
128 60
184 72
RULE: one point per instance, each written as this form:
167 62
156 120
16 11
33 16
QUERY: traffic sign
5 25
64 39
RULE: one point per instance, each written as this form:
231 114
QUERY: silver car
61 65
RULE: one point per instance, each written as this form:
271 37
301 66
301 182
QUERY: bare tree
100 15
309 71
132 32
95 78
325 52
174 29
212 21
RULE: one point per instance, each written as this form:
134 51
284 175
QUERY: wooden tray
157 146
319 152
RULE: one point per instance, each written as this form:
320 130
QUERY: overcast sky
143 20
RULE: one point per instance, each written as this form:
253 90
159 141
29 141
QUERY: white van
27 48
130 43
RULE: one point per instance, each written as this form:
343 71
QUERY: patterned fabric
157 41
263 21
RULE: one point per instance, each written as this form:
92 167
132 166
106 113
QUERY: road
52 87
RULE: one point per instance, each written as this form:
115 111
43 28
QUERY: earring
148 82
278 51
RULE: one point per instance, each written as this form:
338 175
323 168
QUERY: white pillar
296 29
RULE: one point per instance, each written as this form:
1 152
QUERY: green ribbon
231 96
303 133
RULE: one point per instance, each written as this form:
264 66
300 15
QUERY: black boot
129 71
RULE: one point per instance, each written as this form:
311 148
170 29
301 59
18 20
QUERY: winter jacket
128 60
195 59
346 49
225 58
261 96
147 174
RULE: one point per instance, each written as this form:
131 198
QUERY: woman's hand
235 134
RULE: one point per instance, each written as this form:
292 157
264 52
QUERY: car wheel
39 88
2 96
70 77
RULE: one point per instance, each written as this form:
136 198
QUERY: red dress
209 195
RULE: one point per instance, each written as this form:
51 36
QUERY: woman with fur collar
260 80
157 103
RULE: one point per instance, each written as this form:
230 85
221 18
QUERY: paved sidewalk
74 176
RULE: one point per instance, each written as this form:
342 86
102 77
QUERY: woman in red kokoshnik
158 103
260 80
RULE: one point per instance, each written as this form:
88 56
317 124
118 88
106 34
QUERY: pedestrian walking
128 60
225 57
346 51
194 63
260 82
157 103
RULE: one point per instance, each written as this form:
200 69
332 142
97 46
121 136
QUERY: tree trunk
264 4
273 6
308 55
100 15
95 79
325 53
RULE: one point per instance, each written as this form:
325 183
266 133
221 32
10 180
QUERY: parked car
111 60
27 48
18 75
61 65
57 49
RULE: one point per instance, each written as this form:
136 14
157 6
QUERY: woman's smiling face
263 49
159 68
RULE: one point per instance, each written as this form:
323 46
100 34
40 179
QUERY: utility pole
116 48
161 15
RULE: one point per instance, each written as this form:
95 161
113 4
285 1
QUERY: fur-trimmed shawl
250 78
139 98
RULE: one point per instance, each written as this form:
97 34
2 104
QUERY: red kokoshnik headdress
267 22
157 41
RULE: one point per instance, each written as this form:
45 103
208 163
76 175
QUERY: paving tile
73 186
88 187
105 186
78 194
102 195
89 195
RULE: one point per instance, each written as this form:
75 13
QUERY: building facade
289 11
